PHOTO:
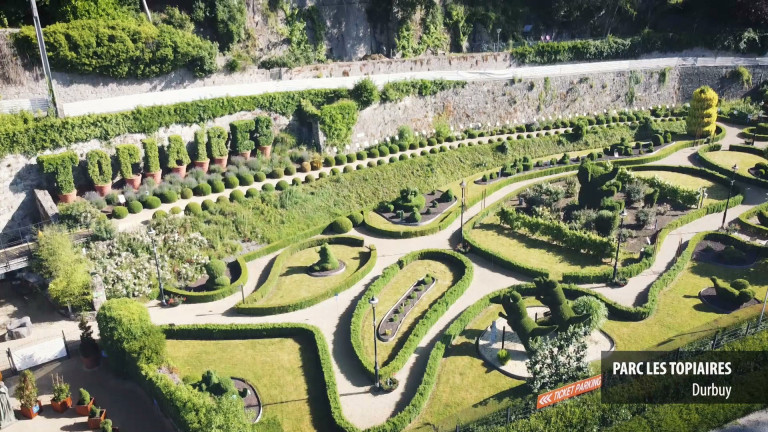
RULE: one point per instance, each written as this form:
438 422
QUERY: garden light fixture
734 168
373 302
618 245
151 233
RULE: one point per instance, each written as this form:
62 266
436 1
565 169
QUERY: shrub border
709 163
209 296
440 306
752 228
248 307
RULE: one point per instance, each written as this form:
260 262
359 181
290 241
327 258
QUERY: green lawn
715 191
467 388
681 317
284 372
392 293
745 161
295 284
530 251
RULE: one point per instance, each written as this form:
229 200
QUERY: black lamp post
151 233
730 190
463 204
618 245
373 302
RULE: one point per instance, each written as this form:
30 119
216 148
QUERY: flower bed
395 316
238 276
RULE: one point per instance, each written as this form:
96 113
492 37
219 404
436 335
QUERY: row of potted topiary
61 401
214 142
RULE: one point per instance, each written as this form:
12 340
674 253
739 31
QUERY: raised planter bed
434 212
709 251
390 324
710 298
333 272
251 400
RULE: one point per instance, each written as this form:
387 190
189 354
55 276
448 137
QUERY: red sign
569 391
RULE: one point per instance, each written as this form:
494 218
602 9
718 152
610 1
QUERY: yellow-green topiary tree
703 113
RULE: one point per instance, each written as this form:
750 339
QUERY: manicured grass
295 284
745 161
681 317
282 371
392 293
533 252
571 154
715 191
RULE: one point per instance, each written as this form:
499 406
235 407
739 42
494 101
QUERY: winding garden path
333 316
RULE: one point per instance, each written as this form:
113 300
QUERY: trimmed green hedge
209 296
453 260
709 163
250 305
755 229
751 133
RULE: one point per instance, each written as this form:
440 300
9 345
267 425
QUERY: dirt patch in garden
201 285
391 322
710 298
711 252
432 209
251 400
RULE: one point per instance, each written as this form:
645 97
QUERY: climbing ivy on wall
337 121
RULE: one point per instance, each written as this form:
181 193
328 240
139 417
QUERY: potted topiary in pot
26 393
60 165
89 349
96 415
100 171
201 152
241 131
264 135
127 156
178 158
62 399
217 145
106 425
84 402
151 160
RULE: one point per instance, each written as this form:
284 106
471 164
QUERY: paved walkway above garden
333 316
125 103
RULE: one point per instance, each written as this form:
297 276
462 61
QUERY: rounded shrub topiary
348 169
222 200
424 152
277 173
296 181
231 182
309 178
371 164
340 159
193 209
135 206
414 217
356 218
433 150
335 172
260 176
268 187
120 212
237 196
328 161
380 162
152 202
359 167
245 179
215 269
373 153
393 148
186 193
208 205
361 155
203 189
175 210
351 158
252 193
169 196
291 170
341 225
281 185
431 142
322 174
306 167
383 150
217 186
221 282
403 157
160 214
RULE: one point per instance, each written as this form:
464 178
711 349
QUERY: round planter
221 161
156 176
245 154
266 151
180 170
104 189
68 197
203 165
62 406
133 182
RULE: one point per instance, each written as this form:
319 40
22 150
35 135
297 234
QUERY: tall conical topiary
327 261
703 113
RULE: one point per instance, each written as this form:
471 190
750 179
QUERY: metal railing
17 246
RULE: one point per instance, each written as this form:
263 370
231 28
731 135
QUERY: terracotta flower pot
180 170
91 362
133 182
220 161
265 150
62 405
203 165
31 412
95 422
104 189
246 154
68 197
156 176
84 409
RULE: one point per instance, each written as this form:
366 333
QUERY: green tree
702 114
230 21
365 93
68 269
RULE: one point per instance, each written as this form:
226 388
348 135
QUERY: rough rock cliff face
348 35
